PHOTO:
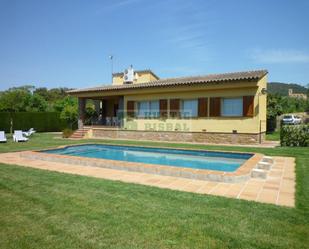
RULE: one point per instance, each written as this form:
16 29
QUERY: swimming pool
209 160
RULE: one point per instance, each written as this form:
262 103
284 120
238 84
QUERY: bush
66 133
294 135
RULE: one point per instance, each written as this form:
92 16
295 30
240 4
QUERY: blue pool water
221 161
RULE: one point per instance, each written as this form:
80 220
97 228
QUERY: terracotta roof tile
206 79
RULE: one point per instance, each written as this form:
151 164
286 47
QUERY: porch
108 112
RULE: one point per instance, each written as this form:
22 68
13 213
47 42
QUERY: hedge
40 121
294 135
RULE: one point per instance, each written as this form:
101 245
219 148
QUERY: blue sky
67 43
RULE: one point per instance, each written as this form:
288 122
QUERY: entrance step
80 133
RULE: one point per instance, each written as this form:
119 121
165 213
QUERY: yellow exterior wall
142 78
262 101
254 124
117 79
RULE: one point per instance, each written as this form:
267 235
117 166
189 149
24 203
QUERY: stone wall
200 137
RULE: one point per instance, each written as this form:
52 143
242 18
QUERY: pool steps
262 168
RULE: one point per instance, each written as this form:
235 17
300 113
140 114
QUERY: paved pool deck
278 188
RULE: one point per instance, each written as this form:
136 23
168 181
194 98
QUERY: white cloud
272 56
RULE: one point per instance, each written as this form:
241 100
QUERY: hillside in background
282 88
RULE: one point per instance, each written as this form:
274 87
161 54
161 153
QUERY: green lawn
41 209
274 136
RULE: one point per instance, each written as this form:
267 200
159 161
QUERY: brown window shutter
248 106
215 107
174 107
130 108
163 108
202 107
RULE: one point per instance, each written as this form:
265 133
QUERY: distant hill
282 88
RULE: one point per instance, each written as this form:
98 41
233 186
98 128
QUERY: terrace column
121 110
81 112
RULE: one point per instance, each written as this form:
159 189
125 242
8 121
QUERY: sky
67 43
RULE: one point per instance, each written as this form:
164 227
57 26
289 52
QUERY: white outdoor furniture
29 132
2 137
18 136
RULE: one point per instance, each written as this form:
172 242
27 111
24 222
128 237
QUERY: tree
70 114
274 107
43 92
35 103
59 105
13 100
26 88
68 109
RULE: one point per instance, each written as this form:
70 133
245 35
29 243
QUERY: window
232 107
189 108
148 109
154 108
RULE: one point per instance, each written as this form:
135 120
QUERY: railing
107 121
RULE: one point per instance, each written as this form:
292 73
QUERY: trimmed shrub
40 121
5 121
66 133
294 135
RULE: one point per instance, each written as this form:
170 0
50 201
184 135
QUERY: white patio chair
18 136
108 121
29 132
2 137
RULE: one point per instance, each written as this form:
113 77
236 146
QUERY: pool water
221 161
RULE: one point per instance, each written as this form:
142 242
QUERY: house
215 108
297 95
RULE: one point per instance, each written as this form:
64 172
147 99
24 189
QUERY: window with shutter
148 109
248 106
189 108
202 107
174 108
215 107
130 109
232 107
163 108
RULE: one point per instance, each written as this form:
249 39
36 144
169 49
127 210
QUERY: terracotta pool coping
243 173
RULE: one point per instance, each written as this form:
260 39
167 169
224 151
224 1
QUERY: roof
193 80
139 71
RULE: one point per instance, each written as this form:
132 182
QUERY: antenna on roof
111 57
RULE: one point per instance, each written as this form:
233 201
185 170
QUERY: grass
41 209
273 136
